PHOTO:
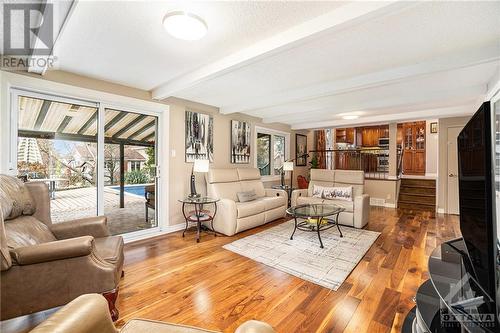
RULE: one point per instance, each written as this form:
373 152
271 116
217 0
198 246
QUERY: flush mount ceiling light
350 117
184 25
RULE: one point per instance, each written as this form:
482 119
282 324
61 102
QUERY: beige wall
386 190
442 183
431 149
179 171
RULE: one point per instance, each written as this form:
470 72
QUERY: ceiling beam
345 16
64 124
457 60
142 129
462 110
115 120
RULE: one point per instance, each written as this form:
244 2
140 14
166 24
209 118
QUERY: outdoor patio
82 202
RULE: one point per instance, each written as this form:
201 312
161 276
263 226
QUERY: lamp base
194 195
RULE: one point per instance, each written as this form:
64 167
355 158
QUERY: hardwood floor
177 280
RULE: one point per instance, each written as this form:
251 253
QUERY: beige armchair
45 265
87 314
234 216
357 211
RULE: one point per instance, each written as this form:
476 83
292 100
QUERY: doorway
452 206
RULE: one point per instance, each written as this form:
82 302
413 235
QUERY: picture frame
240 142
199 137
300 149
434 127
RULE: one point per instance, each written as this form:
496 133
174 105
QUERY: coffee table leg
318 221
295 228
338 227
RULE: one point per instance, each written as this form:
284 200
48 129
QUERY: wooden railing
374 162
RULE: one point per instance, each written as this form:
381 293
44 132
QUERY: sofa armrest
296 194
254 326
361 210
39 192
90 226
225 219
57 250
271 192
85 314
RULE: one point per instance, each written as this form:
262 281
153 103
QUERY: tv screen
476 146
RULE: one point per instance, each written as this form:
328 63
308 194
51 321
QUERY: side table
199 214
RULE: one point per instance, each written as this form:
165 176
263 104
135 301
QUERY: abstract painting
199 136
240 142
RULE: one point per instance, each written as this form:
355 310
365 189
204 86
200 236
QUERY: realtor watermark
28 35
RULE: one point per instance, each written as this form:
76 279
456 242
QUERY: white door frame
14 84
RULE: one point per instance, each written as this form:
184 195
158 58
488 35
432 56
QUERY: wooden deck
82 202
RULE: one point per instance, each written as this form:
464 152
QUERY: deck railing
374 162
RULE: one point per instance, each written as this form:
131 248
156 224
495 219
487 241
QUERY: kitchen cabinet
371 135
414 148
345 135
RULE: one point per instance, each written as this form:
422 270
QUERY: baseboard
390 205
440 210
167 230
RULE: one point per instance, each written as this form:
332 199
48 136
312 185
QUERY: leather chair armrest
271 192
296 194
254 326
57 250
39 192
361 210
85 314
91 226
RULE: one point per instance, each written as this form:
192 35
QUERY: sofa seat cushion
27 231
250 208
274 202
110 249
147 326
347 205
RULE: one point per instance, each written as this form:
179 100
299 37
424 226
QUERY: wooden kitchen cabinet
371 135
345 135
414 148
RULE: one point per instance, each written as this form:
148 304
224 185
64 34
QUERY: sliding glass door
95 160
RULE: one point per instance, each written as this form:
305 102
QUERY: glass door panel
264 153
130 171
57 144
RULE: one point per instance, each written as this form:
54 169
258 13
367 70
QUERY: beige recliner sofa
357 211
88 314
44 265
234 216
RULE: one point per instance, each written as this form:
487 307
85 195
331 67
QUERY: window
272 151
135 165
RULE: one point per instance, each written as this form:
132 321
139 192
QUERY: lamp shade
201 165
288 166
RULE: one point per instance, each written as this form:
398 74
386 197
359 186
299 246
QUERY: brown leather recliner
45 265
87 314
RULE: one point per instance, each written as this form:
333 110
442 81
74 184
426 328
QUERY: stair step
431 192
418 182
418 199
415 206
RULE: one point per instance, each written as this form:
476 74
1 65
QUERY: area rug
302 256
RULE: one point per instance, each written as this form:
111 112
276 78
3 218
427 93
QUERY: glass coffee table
316 218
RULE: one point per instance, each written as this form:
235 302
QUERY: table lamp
287 166
198 166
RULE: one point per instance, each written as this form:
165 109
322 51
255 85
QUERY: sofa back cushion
320 177
354 178
223 184
17 193
26 231
250 180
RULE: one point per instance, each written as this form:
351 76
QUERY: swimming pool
132 189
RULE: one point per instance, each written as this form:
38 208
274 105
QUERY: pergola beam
115 120
42 114
64 124
129 125
82 138
142 129
87 124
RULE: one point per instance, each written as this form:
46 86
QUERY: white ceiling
300 63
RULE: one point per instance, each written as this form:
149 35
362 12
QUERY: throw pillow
338 193
317 191
246 196
22 203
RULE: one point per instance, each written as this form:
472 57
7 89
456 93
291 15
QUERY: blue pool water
137 190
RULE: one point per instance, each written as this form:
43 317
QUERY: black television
476 165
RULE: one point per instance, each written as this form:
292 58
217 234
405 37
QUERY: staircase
417 195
